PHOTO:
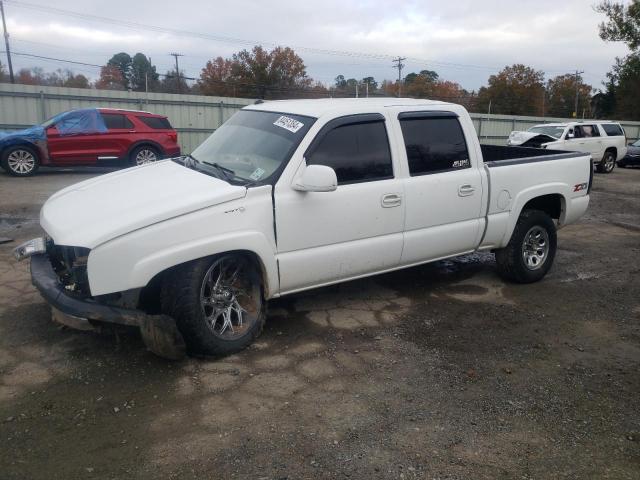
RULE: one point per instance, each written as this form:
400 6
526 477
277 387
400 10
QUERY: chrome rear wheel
535 247
146 155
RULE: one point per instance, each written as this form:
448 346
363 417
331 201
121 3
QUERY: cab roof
319 107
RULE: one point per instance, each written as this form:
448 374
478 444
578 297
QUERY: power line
235 40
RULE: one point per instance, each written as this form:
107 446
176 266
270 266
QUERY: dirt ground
437 372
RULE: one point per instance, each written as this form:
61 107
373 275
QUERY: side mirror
316 178
570 135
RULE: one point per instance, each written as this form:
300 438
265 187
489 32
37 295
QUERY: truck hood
520 138
90 213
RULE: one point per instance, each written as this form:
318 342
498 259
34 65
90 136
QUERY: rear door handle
390 200
466 190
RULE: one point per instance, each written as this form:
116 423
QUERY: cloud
464 40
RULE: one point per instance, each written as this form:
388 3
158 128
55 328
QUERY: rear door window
116 121
586 131
157 123
612 129
434 144
357 152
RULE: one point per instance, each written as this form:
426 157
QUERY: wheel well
145 143
149 298
22 143
613 150
551 204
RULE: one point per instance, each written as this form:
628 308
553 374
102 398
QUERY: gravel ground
437 372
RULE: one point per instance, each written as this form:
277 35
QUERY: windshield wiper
192 162
227 173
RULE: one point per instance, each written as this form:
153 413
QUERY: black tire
144 154
608 162
510 260
20 161
185 290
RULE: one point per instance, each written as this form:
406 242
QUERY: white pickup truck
292 195
605 141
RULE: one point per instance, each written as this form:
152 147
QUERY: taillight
173 136
590 176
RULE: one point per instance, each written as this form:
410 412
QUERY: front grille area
70 264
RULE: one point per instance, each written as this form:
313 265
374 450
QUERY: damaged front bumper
159 332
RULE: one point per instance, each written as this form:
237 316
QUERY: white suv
605 141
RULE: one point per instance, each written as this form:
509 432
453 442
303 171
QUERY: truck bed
496 155
524 178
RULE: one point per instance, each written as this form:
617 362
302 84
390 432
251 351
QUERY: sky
465 41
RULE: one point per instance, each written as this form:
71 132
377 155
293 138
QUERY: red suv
101 136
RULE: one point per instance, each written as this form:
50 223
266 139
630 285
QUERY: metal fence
495 129
195 116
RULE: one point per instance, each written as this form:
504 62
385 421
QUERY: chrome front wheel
227 298
217 302
20 161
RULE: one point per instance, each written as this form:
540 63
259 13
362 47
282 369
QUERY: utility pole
356 89
367 87
399 66
6 43
575 111
176 55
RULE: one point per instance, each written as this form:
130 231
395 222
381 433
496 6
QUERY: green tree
340 82
623 24
122 61
626 78
623 89
142 74
516 90
561 94
373 85
3 74
169 83
425 76
77 81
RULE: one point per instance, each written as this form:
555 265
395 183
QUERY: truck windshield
555 132
254 145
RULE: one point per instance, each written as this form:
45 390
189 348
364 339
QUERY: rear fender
529 194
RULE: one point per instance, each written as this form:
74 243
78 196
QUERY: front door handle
466 190
391 200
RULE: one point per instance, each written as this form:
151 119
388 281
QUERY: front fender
132 260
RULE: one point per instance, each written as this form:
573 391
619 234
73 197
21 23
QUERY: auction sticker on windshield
288 123
257 174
